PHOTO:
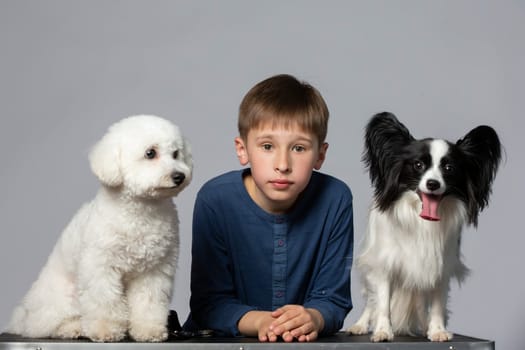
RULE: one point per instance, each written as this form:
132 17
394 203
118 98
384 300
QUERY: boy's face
282 160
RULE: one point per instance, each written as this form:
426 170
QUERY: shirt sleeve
331 294
213 301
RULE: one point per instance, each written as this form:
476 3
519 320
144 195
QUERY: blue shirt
244 258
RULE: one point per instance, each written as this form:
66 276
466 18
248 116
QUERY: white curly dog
111 272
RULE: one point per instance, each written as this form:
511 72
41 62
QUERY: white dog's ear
105 161
188 158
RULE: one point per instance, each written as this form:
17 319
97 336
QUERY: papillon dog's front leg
437 317
362 325
383 326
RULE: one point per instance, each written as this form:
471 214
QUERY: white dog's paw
441 335
69 329
103 330
148 332
382 334
357 329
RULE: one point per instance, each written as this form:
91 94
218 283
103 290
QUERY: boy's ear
322 156
240 148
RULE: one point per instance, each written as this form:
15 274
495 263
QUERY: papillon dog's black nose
433 185
178 178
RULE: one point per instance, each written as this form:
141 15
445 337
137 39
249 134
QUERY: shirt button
280 243
279 220
279 294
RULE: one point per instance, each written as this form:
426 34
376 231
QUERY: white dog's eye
150 153
176 154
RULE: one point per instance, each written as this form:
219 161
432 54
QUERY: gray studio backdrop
69 69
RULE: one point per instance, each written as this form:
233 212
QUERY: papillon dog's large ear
104 159
385 137
481 148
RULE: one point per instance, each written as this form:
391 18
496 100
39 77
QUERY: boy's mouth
280 183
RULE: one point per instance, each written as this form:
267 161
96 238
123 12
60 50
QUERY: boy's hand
295 321
263 330
257 323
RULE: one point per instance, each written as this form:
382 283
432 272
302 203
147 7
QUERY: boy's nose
282 163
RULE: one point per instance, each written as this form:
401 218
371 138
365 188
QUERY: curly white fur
111 272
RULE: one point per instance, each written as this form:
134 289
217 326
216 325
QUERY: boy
272 244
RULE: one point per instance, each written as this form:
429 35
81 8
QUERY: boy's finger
284 315
272 337
287 337
267 337
296 326
312 336
302 338
278 312
302 330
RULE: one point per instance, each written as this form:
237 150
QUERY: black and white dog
425 191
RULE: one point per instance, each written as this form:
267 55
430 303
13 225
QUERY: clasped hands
288 322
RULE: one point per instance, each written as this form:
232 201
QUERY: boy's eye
266 146
299 148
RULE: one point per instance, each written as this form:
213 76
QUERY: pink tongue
429 211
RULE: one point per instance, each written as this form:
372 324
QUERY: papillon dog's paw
382 335
439 335
357 329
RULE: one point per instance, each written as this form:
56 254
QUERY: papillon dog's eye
418 165
176 154
448 168
150 153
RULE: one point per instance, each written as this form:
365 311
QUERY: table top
338 341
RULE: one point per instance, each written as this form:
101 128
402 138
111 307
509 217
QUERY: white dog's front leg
103 304
436 327
149 297
383 326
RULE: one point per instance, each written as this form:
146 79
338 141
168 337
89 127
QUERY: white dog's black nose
178 178
433 185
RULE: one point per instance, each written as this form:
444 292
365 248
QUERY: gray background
69 69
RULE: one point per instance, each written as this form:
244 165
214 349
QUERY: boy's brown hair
284 100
